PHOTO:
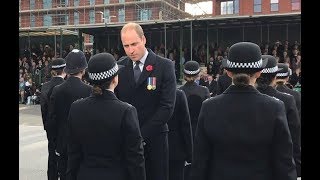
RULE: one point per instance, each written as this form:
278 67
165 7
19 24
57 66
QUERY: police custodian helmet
75 62
244 57
271 66
102 67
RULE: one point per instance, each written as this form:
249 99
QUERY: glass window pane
257 8
230 7
236 6
106 1
257 1
76 18
76 3
223 8
296 6
274 1
274 7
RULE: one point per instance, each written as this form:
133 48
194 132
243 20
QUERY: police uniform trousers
156 154
52 171
176 169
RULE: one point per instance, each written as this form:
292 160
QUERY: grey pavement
33 151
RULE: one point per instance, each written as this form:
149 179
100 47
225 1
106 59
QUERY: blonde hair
133 26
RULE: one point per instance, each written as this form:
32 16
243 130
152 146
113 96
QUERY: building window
76 3
76 18
32 20
145 14
47 20
92 2
19 21
274 5
91 17
257 6
106 1
63 3
62 19
121 15
122 1
295 4
32 4
47 4
106 15
91 39
229 7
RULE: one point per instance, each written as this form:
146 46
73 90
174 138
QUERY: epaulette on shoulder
275 98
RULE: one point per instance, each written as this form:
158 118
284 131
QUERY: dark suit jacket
154 107
224 81
46 91
104 140
295 94
293 120
61 99
180 135
243 134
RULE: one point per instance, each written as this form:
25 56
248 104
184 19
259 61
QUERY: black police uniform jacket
243 134
180 135
46 91
192 88
104 140
295 94
223 82
62 97
292 117
154 107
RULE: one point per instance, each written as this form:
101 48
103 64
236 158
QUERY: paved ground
33 151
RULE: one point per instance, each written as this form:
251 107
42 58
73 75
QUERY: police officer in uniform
266 85
193 91
282 78
58 76
61 99
180 137
104 140
242 133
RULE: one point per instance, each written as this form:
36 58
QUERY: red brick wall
25 4
246 7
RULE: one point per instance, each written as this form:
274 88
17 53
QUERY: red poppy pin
149 68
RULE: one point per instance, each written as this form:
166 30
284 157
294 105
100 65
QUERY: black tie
136 71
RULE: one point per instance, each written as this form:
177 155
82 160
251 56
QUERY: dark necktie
136 71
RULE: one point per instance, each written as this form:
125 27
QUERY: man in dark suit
266 85
104 139
223 82
61 99
58 76
180 137
148 83
242 133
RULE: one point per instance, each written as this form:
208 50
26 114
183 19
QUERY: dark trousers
52 171
62 165
156 154
176 169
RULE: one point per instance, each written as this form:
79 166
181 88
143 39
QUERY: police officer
58 76
282 78
104 139
242 133
61 99
194 91
180 137
266 85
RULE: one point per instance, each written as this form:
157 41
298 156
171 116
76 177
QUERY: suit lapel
151 59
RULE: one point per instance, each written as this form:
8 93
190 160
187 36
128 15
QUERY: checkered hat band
104 75
270 70
282 74
58 66
191 72
256 64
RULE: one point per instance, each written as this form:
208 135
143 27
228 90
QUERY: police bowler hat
58 63
76 61
102 67
244 57
191 68
271 66
285 70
